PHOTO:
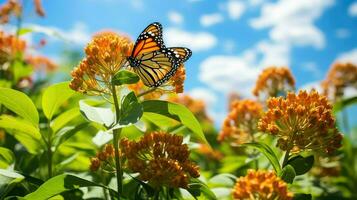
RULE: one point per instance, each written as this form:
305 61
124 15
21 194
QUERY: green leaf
20 104
62 137
340 105
24 31
103 116
197 188
59 184
131 110
64 118
301 196
222 180
23 131
301 164
287 174
6 157
125 77
8 179
177 112
268 153
54 96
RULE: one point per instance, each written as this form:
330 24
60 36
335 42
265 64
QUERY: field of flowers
106 134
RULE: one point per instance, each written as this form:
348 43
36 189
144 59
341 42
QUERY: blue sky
232 40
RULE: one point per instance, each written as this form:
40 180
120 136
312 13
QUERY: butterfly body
152 61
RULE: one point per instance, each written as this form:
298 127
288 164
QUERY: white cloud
175 17
228 73
342 33
78 34
312 68
204 94
350 56
196 41
352 10
235 9
272 54
292 21
211 19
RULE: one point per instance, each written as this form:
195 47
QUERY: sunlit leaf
64 118
103 116
54 96
7 157
177 112
268 153
198 189
125 77
20 104
8 179
59 184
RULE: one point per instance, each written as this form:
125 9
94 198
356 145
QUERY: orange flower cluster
273 81
302 122
14 7
41 63
106 55
241 123
261 185
10 47
161 159
339 77
104 159
177 81
139 88
196 106
8 8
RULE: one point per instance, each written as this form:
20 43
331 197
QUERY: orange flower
339 77
261 185
302 122
241 123
41 63
273 81
10 47
104 159
105 56
9 8
161 159
39 8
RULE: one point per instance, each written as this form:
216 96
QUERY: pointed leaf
20 104
287 174
54 96
301 164
177 112
131 110
125 77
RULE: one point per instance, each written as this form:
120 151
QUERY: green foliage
7 157
301 164
20 104
177 112
268 152
287 174
130 110
59 184
125 77
54 96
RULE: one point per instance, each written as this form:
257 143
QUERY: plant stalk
116 136
49 151
286 158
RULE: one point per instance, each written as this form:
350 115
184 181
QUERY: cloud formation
211 19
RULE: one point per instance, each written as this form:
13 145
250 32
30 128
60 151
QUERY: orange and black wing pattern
152 61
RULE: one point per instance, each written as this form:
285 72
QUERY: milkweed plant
120 127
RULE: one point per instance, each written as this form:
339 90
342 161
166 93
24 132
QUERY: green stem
116 136
286 158
104 183
147 92
49 151
345 120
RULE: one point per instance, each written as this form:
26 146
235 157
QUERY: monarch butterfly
152 61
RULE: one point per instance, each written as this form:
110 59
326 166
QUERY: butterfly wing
182 54
149 40
156 68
